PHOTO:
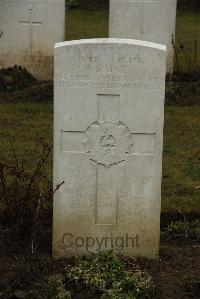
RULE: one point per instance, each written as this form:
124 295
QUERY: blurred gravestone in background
147 20
28 31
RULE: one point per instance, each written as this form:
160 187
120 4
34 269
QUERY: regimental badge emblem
108 143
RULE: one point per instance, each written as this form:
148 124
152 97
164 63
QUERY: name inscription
109 73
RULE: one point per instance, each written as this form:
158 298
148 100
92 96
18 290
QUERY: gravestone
108 120
29 30
148 20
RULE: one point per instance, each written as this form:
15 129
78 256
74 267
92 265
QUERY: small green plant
106 274
195 226
191 230
177 227
51 287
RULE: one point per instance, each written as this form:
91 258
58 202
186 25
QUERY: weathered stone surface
29 30
148 20
109 114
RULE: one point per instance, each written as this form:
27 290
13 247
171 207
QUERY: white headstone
29 30
109 114
148 20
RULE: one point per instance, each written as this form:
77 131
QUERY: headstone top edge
133 42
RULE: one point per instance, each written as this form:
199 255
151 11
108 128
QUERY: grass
91 24
82 24
188 34
187 27
23 122
181 172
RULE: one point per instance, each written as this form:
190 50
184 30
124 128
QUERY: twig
37 213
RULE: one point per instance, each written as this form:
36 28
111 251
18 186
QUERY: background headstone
30 29
148 20
109 114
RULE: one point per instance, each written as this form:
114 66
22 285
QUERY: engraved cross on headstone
107 142
31 24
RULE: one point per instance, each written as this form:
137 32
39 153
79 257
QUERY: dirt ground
174 274
179 262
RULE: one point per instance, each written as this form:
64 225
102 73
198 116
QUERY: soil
183 89
35 92
14 78
179 262
18 86
173 274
